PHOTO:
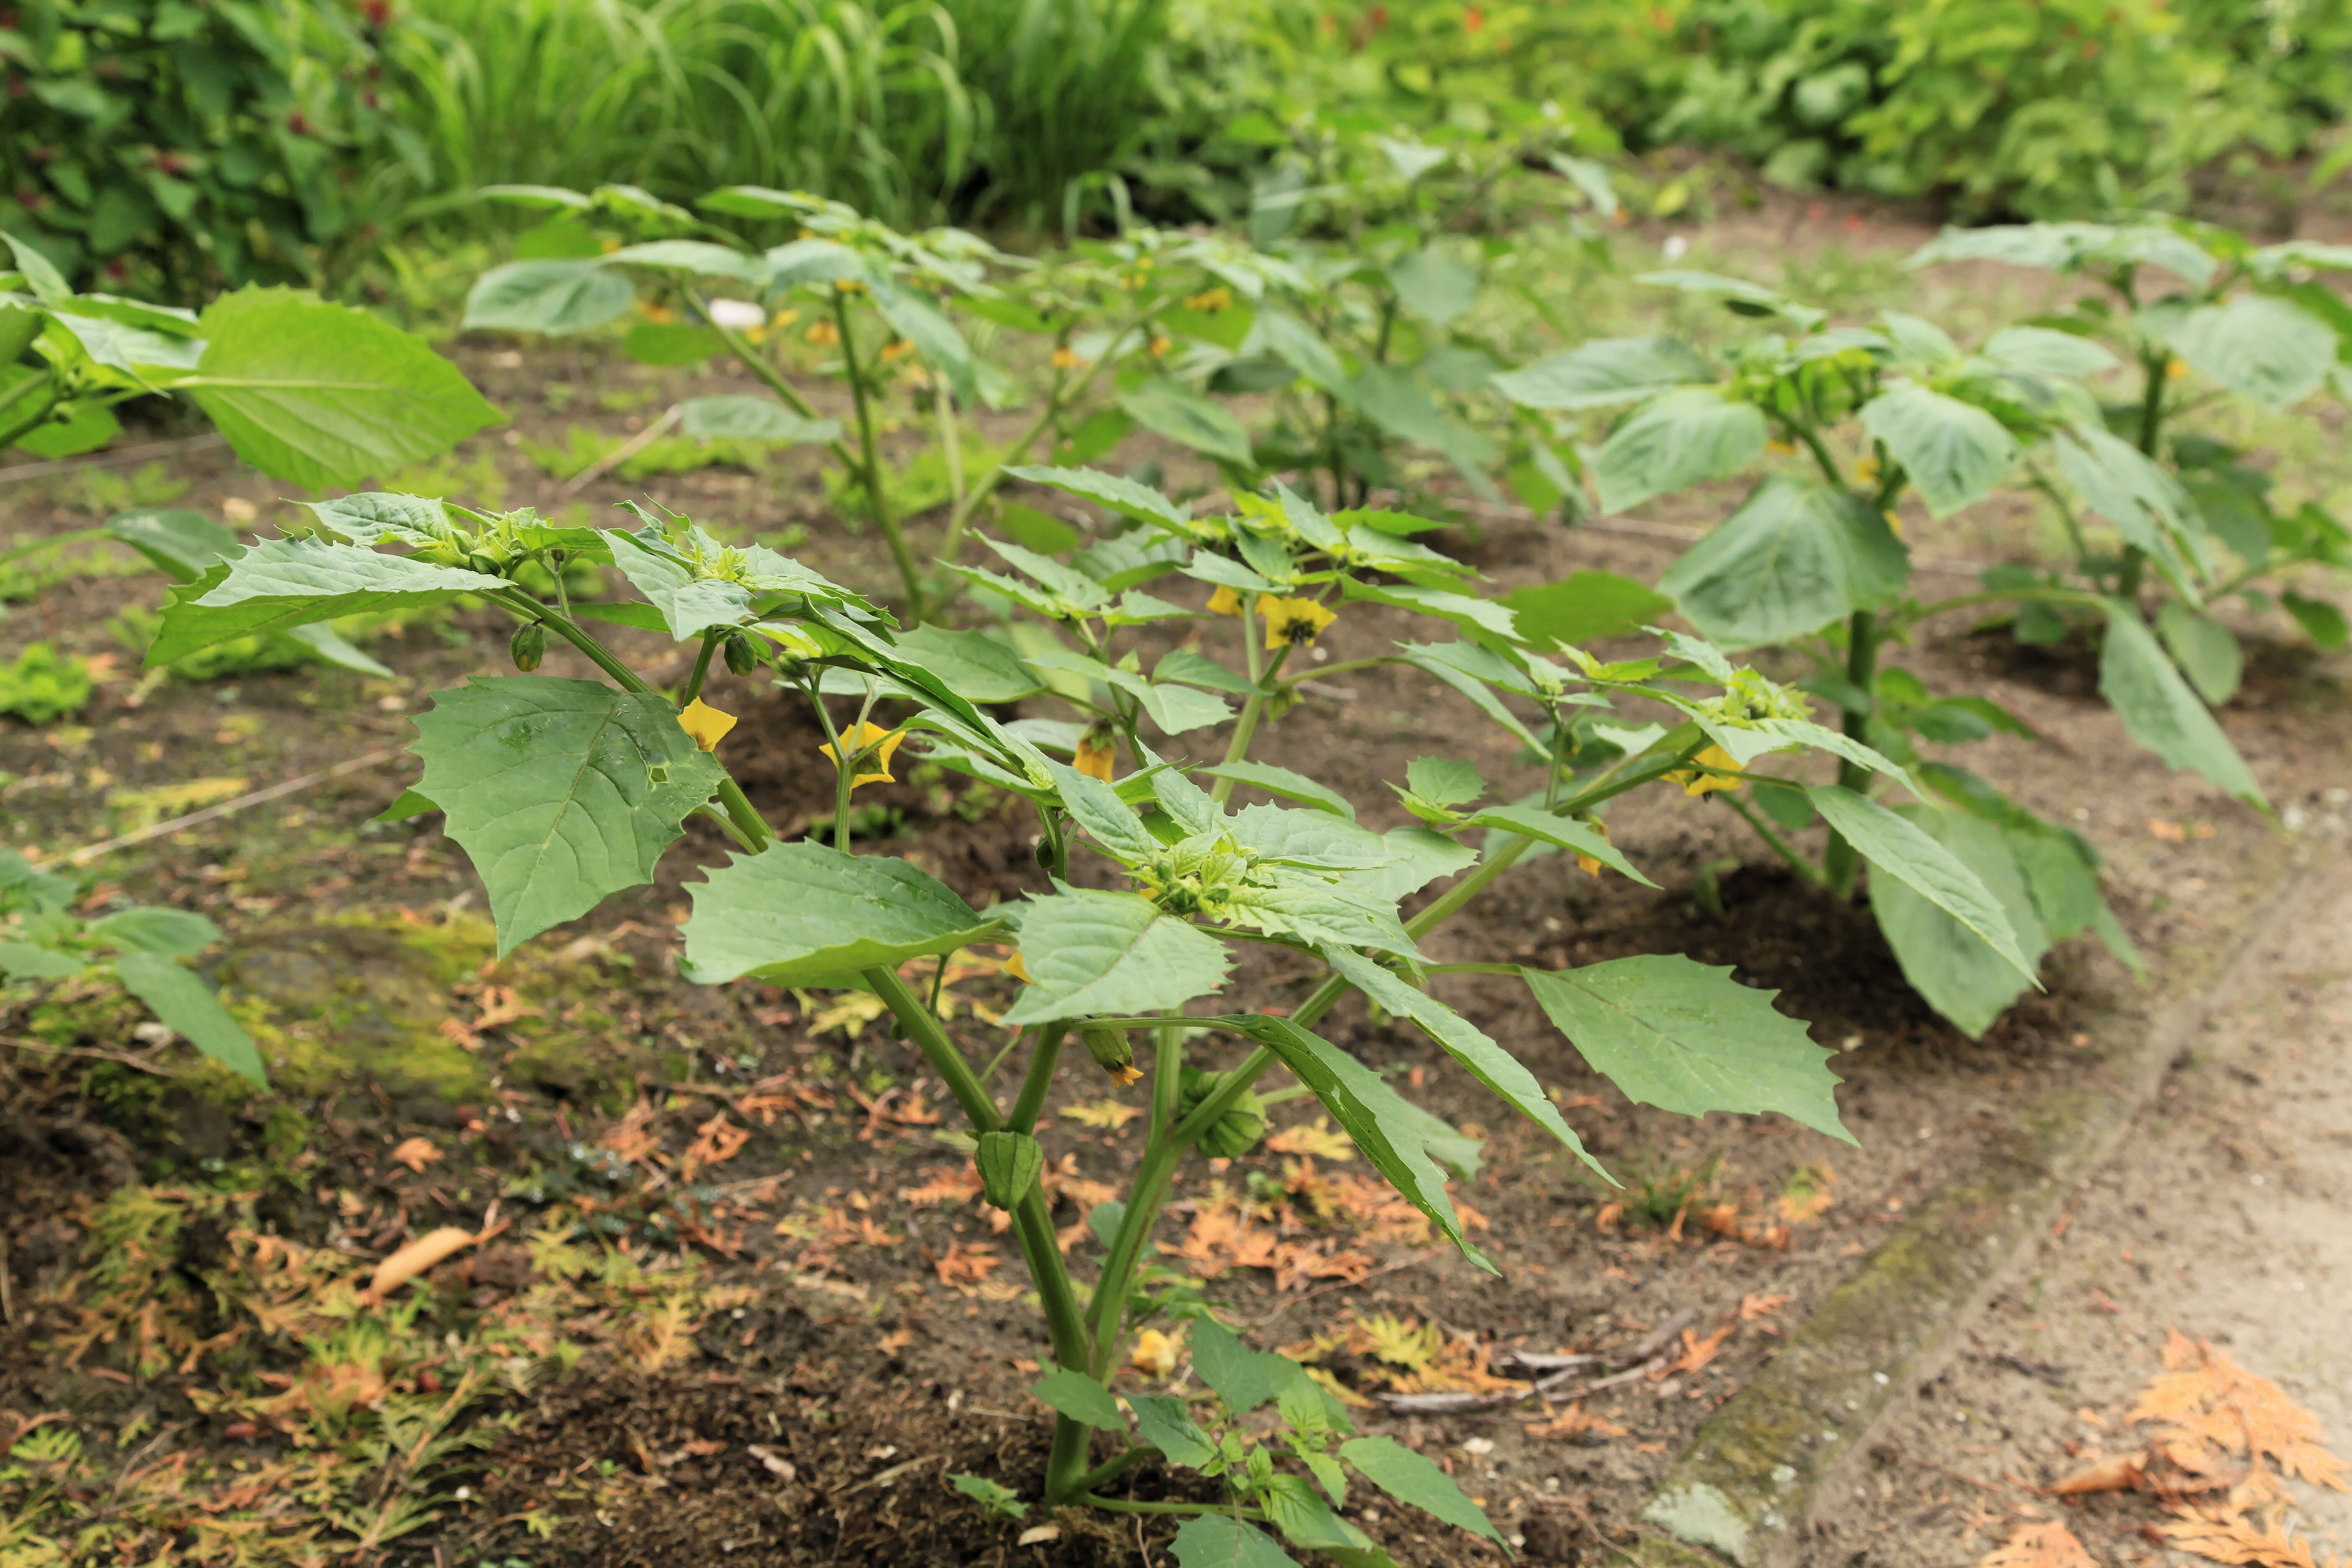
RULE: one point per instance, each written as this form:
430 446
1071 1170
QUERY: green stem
1115 1468
1057 399
1131 1505
1253 706
876 495
2076 596
951 444
10 433
2157 369
76 537
947 1060
1813 440
1778 845
1840 861
701 666
1023 1117
1144 1195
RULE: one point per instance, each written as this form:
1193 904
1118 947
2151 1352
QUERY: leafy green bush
173 145
43 686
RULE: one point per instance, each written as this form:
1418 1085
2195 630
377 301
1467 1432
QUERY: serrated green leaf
2206 650
557 297
1171 409
1300 347
995 1498
742 417
973 663
1444 781
562 791
1471 614
1244 1378
1795 556
2160 710
1123 496
179 543
1090 952
1676 440
1215 1541
1897 849
324 395
1564 832
2147 504
1390 1134
1181 664
281 583
1960 978
1953 452
174 994
1308 1522
1485 1060
1583 608
1684 1037
1414 1479
1287 786
2257 345
1167 1424
1080 1398
1604 372
798 914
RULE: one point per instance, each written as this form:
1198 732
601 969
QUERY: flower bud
528 646
1112 1054
1009 1164
742 658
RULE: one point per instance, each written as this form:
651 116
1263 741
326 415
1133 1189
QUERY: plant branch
877 495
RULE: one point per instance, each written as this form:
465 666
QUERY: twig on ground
1401 1264
621 454
113 460
125 1057
89 852
1648 1355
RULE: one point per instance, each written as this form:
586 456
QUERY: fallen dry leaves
417 1257
1573 1422
2042 1544
417 1153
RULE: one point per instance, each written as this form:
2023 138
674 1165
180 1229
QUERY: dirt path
2226 1213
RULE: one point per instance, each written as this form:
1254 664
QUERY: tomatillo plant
566 791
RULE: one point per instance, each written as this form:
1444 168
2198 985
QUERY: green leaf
1091 953
89 426
740 417
699 256
1182 664
1485 1060
671 344
2206 650
562 791
1434 283
801 914
1300 347
1601 373
1080 1398
1287 786
1684 1037
2322 621
1392 1135
1308 1522
1470 614
281 583
333 648
1676 440
1414 1479
30 961
2160 710
1954 452
558 297
174 994
1244 1378
1907 854
1169 408
1167 1426
2147 504
973 663
1216 1541
174 933
1442 781
409 804
1123 496
2045 352
1583 608
2257 345
180 543
1567 833
990 1496
1797 555
1963 980
1396 401
324 396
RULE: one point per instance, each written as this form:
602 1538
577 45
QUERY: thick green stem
1161 1155
1133 1505
1840 862
1023 1117
877 494
947 1060
1778 845
1115 1468
710 640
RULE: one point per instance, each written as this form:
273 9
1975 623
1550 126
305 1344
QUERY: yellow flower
1064 358
1155 1353
1586 863
1292 622
1097 755
897 348
1696 781
1210 303
784 318
1161 345
1224 602
1018 969
871 739
1895 523
658 314
706 724
825 334
1781 448
847 286
1126 1075
755 336
1865 470
2175 370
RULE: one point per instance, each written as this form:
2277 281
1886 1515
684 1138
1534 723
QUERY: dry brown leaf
2044 1545
2205 1398
716 1141
417 1153
1318 1140
2122 1473
1573 1422
1697 1351
943 1185
2234 1541
967 1265
417 1258
1754 1307
1108 1114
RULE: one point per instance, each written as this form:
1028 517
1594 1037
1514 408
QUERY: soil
2221 1216
871 1371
